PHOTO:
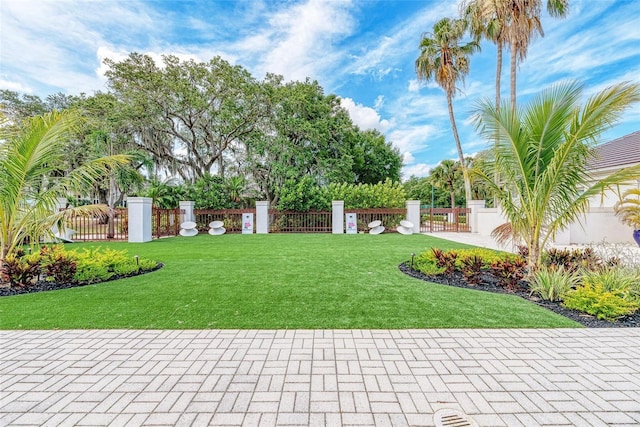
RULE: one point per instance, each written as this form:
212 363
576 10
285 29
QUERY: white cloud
14 86
365 117
298 41
379 102
407 158
419 170
414 85
413 139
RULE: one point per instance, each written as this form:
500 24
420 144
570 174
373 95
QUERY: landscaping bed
490 284
44 285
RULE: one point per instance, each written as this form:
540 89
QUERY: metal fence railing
165 222
299 222
445 219
87 227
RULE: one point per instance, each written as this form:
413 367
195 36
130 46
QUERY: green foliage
20 269
552 284
595 299
209 192
387 194
614 280
303 195
434 260
95 265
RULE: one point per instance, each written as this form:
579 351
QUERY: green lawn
275 281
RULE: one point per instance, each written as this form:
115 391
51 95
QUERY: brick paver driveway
322 377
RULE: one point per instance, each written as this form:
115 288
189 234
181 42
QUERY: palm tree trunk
499 45
465 172
514 64
498 73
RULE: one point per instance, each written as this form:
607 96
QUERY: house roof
619 152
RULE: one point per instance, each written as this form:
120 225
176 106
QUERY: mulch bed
44 286
490 284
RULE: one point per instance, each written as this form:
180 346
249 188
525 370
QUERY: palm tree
541 153
446 175
29 157
443 58
486 19
521 20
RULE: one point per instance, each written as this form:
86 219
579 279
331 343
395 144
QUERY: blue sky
363 51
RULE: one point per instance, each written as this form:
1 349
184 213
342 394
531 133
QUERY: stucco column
139 219
337 216
413 214
262 217
474 205
187 207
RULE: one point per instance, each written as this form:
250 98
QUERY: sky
364 51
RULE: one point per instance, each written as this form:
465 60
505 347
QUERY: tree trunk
465 172
498 73
452 194
514 64
496 176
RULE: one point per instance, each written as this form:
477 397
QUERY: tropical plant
552 284
628 209
445 176
444 58
29 193
541 153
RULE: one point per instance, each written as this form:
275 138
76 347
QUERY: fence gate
445 219
165 222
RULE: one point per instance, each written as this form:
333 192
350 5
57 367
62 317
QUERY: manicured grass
275 281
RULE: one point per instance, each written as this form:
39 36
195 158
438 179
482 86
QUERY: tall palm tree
542 151
29 157
486 19
446 175
445 59
521 24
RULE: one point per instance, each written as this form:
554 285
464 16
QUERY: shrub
99 265
509 272
599 302
572 260
58 265
615 280
471 266
21 270
553 284
387 194
446 260
426 263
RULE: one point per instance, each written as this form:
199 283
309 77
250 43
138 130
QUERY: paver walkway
323 377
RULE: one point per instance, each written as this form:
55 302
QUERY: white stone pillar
262 217
413 214
474 205
61 203
187 207
139 219
337 216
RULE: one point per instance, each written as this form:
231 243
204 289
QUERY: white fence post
474 205
413 214
262 217
337 216
187 207
139 219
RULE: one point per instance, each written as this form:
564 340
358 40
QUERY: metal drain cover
452 418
